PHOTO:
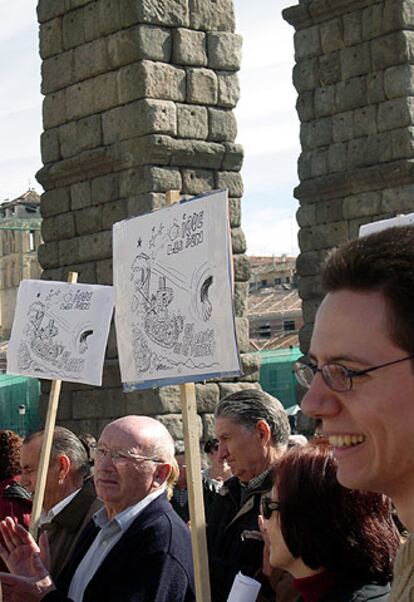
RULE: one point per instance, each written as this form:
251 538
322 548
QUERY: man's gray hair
248 406
65 442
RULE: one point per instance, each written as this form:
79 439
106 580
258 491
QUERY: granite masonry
354 75
139 100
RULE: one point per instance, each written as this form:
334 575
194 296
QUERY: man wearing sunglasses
135 549
360 373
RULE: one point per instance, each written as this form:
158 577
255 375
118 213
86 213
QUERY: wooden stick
194 484
43 467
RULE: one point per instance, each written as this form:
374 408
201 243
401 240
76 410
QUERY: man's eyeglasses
121 455
267 506
336 376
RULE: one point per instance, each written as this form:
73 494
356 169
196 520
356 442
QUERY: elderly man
136 549
253 430
360 374
70 498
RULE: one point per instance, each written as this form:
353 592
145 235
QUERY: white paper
244 589
173 294
60 331
383 224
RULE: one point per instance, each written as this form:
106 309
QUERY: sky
268 127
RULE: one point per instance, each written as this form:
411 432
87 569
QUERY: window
278 281
263 283
31 240
263 331
288 325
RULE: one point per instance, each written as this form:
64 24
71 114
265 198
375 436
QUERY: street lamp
22 413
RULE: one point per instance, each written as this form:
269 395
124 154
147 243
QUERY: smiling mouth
346 440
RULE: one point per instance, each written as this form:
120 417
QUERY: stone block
58 227
235 212
320 237
361 205
149 179
396 113
95 246
164 400
140 42
49 146
241 268
81 135
222 125
212 15
242 333
319 162
305 106
309 263
309 309
324 101
357 155
102 18
365 121
355 60
305 165
48 255
80 195
48 9
351 94
372 19
330 68
114 212
400 16
375 87
315 134
91 59
57 72
92 96
307 42
329 211
230 388
144 203
86 271
238 241
105 188
88 220
50 38
232 181
189 47
105 403
224 50
233 157
250 365
54 202
197 153
352 27
151 79
310 287
145 116
389 50
202 86
306 215
402 141
399 81
337 157
208 426
54 109
306 75
228 89
378 149
73 28
197 181
207 397
192 121
240 293
172 13
104 272
397 199
332 35
68 251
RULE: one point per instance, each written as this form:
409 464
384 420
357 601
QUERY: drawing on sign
170 308
58 331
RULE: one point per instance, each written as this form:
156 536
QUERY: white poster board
174 313
60 331
383 224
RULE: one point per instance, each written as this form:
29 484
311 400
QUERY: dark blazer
64 530
152 561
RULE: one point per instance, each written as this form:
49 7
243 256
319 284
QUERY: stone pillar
139 100
355 82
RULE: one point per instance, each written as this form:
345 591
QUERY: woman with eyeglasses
338 544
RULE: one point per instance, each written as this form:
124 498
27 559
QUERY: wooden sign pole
43 467
195 489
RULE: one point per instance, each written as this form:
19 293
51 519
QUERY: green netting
14 392
276 376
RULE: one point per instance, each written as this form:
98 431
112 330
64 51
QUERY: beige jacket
403 583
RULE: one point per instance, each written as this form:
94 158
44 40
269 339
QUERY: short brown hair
381 262
326 525
10 447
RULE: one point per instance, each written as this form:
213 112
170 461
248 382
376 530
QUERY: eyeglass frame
268 506
121 454
349 372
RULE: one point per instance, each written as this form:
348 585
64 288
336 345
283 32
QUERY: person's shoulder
370 591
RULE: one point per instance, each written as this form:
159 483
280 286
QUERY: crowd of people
326 520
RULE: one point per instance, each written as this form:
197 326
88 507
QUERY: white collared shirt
47 517
110 533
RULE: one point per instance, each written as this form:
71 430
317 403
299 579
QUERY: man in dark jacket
136 549
253 430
